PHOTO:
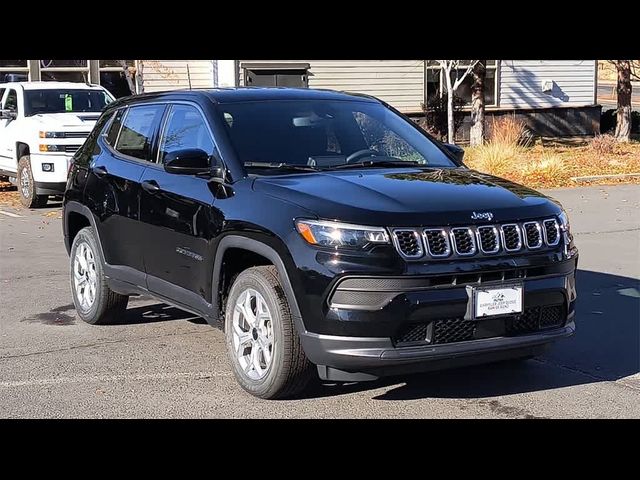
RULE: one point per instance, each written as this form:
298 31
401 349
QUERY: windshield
65 101
326 134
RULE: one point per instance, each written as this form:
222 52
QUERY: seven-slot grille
408 243
415 243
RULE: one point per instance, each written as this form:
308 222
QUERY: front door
8 161
113 187
180 223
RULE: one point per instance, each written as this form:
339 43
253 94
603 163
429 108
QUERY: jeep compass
325 232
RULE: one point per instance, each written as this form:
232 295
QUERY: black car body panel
170 235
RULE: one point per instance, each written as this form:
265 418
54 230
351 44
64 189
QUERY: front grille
467 241
75 134
451 330
463 241
511 237
437 242
532 234
488 239
71 148
408 243
551 231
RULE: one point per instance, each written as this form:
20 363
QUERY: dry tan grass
604 144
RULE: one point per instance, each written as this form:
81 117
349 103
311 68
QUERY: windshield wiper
280 166
374 163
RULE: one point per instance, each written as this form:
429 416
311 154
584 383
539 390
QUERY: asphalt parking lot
162 362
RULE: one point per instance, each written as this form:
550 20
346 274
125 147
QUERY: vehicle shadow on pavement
606 347
158 312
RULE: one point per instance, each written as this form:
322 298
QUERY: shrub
507 130
548 169
493 158
604 144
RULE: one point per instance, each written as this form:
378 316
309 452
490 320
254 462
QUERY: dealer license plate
490 302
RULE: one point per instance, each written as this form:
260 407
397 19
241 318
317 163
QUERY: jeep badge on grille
482 216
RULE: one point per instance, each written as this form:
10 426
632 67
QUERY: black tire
290 370
28 196
108 306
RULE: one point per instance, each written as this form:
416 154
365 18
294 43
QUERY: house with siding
554 97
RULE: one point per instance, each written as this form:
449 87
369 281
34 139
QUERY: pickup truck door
8 133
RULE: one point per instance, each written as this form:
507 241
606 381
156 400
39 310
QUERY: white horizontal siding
162 75
521 83
398 82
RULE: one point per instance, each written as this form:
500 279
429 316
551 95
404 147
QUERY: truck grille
71 148
416 243
408 243
457 329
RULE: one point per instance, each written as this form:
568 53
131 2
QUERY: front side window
114 128
138 131
65 101
186 129
11 103
325 134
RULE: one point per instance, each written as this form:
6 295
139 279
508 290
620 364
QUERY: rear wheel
263 346
95 302
27 186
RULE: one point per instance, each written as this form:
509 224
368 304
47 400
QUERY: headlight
52 135
340 235
51 148
565 227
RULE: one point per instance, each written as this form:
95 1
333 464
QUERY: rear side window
138 131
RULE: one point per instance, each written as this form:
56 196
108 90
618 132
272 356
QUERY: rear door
178 213
113 189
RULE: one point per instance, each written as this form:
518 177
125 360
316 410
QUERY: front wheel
27 186
263 346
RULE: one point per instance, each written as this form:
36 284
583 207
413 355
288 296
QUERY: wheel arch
22 149
77 216
263 250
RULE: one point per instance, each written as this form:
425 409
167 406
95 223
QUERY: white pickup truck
42 124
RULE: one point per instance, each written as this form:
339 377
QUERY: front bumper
357 358
60 162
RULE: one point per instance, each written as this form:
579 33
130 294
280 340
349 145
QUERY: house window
113 78
14 71
276 74
64 70
436 84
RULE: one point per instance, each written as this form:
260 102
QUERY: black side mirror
455 150
189 161
8 114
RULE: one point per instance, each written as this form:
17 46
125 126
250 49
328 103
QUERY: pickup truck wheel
263 346
27 187
95 302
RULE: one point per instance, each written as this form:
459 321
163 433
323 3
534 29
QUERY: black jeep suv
325 231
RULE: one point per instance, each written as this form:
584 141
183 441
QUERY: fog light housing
48 167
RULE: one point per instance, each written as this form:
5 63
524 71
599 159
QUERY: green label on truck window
68 103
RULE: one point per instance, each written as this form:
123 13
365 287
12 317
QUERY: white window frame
85 70
496 83
24 69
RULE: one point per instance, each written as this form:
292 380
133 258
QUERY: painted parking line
39 382
9 214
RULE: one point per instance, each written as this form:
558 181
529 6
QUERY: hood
66 120
408 197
